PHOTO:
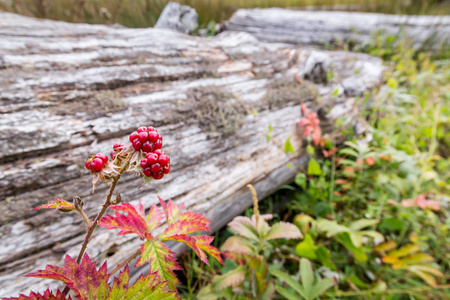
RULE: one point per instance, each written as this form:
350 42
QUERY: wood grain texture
71 90
327 27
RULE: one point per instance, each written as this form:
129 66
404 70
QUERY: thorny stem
99 216
255 203
126 261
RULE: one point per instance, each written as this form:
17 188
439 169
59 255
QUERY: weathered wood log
326 27
178 17
71 90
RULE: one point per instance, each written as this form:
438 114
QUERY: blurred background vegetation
145 13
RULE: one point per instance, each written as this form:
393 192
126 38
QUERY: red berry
134 136
153 136
163 160
144 163
141 129
152 158
158 144
166 169
103 157
151 128
159 136
97 164
147 147
148 172
159 152
137 145
158 176
118 146
112 154
143 137
156 168
88 165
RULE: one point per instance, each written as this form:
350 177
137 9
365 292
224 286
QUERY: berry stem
99 216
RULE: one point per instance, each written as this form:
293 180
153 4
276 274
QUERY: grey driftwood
327 27
71 90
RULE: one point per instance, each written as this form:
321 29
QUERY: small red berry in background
116 149
97 162
156 164
146 139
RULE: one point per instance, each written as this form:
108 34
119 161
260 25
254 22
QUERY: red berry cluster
156 164
116 149
146 139
97 162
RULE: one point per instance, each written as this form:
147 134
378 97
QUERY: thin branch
126 261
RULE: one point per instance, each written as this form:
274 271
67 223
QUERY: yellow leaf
386 246
405 250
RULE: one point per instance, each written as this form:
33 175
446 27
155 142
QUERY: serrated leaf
59 204
48 295
232 278
286 293
314 167
162 261
283 230
199 244
147 287
84 280
154 218
187 222
171 210
132 222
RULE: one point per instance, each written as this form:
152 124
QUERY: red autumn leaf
133 222
84 279
48 295
59 204
171 210
370 161
311 123
145 287
161 259
88 283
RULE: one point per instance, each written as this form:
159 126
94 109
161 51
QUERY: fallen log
327 27
71 90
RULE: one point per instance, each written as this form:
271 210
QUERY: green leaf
324 256
348 151
162 261
332 228
288 148
288 279
310 149
270 127
392 224
321 287
290 166
358 252
232 278
300 180
314 167
362 223
307 248
268 137
287 294
306 276
392 83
